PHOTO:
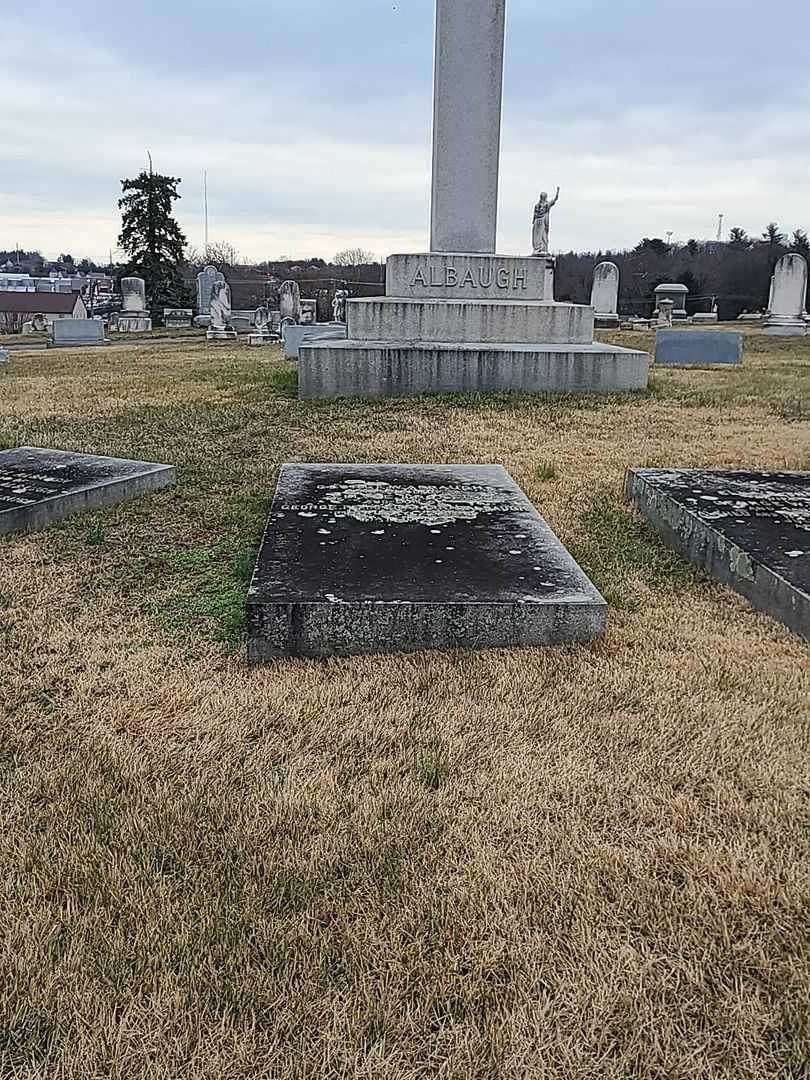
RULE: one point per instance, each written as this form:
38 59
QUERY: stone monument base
705 317
259 339
606 320
295 335
221 335
133 324
352 368
784 326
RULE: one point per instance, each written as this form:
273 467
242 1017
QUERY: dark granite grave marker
394 558
38 487
750 530
698 348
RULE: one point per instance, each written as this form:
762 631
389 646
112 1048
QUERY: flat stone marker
394 558
750 530
38 487
71 332
698 348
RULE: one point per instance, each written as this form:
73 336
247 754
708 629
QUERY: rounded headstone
605 290
289 296
133 292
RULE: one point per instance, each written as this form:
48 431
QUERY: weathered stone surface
468 86
461 276
40 486
133 324
133 295
330 369
750 530
294 336
393 558
289 298
205 284
677 293
788 297
389 318
67 333
698 347
605 294
177 318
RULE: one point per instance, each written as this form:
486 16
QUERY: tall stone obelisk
459 317
467 97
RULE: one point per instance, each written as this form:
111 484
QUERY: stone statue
339 306
221 306
540 223
289 298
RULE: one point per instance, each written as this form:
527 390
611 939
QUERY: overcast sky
313 120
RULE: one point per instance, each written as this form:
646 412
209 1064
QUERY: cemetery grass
585 862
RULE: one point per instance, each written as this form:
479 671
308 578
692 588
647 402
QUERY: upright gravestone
220 328
665 313
71 333
262 331
133 317
289 300
605 295
205 285
460 317
677 293
788 298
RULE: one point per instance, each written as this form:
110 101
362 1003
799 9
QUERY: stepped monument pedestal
460 317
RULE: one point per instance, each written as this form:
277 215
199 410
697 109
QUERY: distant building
17 308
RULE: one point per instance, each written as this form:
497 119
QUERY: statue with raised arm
540 223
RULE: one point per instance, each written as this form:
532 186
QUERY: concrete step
389 318
370 369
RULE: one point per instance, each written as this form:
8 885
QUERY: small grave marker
698 348
38 487
750 530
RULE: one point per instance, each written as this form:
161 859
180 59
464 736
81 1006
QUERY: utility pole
205 200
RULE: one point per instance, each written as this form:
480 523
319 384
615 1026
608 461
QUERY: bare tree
221 253
354 257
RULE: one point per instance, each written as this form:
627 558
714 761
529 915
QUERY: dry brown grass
554 863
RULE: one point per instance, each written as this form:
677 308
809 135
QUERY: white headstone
468 87
289 296
133 292
605 290
205 283
788 296
220 306
790 286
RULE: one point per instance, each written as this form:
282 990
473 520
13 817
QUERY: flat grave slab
73 332
698 348
750 530
38 487
394 558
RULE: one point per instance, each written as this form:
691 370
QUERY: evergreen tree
773 237
739 238
152 238
800 243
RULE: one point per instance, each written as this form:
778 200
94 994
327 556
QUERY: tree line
735 273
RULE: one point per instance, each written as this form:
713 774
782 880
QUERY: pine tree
152 238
